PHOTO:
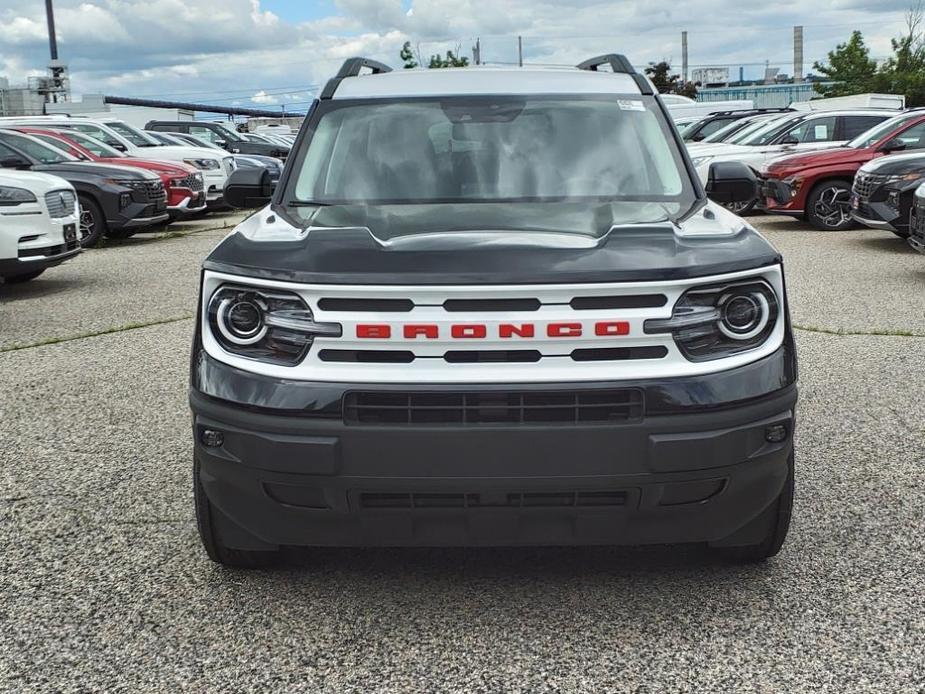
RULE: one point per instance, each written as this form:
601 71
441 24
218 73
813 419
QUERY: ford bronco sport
492 307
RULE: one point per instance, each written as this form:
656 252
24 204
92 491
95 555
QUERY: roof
484 80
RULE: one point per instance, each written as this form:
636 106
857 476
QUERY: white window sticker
821 132
630 105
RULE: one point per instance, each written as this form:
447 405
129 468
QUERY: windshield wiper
307 203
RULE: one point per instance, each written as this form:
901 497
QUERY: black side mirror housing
893 145
119 146
790 141
249 188
13 163
731 181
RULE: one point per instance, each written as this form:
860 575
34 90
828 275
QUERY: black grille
502 499
193 182
384 305
864 184
494 407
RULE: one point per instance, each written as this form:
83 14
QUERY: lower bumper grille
493 407
551 499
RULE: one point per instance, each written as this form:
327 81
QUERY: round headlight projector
241 320
744 315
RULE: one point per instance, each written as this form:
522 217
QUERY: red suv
183 184
816 186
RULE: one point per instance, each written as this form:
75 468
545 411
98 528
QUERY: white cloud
262 97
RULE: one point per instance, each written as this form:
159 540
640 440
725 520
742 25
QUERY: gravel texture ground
105 586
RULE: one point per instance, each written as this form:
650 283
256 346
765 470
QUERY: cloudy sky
272 52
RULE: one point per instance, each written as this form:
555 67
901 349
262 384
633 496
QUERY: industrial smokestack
52 39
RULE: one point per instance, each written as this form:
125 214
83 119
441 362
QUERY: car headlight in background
206 164
910 177
720 320
265 324
10 196
700 161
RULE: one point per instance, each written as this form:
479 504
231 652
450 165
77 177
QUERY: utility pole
477 52
797 54
52 39
520 51
684 56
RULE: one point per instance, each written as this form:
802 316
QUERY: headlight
700 161
265 324
207 164
10 197
721 320
911 177
794 183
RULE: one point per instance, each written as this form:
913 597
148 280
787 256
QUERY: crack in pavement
861 333
96 333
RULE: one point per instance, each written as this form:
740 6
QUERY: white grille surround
555 363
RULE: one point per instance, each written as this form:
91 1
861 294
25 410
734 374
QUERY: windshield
725 133
878 132
98 148
36 149
133 135
230 134
197 141
62 145
767 131
493 149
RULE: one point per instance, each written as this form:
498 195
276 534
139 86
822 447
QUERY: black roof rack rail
617 63
752 111
352 68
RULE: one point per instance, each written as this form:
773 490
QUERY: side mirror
893 145
249 188
13 163
119 146
221 143
698 137
731 181
790 140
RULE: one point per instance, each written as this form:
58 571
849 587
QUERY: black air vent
619 353
458 305
588 303
367 356
372 305
493 407
550 499
472 356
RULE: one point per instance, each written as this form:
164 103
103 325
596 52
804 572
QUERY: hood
828 157
38 183
486 243
176 152
897 164
98 169
171 168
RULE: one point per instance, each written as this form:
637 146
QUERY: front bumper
779 197
292 471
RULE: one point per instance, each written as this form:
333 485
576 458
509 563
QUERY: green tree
666 83
850 67
904 72
409 60
407 56
451 60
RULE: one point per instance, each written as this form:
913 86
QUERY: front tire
828 206
92 222
776 518
741 208
206 514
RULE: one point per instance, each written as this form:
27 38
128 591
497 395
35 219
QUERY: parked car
38 221
802 132
816 186
114 201
882 196
274 165
490 342
737 129
220 135
183 184
717 120
917 225
215 166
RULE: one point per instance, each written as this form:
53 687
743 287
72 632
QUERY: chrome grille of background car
60 203
194 182
865 183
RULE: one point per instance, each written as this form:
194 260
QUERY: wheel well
826 180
